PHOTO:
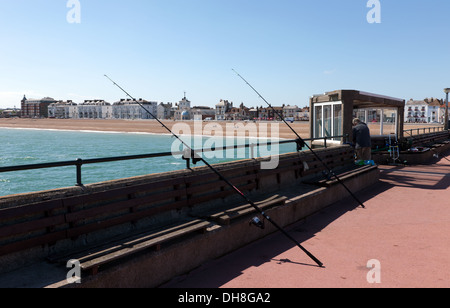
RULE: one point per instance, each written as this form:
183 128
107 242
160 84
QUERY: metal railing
78 163
423 130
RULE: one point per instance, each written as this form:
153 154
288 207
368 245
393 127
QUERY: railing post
78 164
252 150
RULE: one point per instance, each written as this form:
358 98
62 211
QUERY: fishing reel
257 222
300 144
189 155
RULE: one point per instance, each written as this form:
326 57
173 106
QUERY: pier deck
405 226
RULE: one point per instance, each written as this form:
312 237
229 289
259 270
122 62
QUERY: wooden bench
431 140
103 215
49 221
206 186
233 212
340 162
332 159
31 226
327 180
119 248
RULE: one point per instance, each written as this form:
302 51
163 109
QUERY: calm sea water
26 146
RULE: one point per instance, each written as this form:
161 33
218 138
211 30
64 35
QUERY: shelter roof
360 99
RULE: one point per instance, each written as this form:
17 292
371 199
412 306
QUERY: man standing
361 140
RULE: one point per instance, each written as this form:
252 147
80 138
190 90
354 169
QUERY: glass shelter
332 114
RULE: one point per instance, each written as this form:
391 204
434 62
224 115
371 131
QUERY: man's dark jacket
361 136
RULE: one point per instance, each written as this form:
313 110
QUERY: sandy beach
152 126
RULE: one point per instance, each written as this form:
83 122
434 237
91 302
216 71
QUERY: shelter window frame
328 118
382 121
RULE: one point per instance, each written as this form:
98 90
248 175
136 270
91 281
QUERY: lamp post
446 90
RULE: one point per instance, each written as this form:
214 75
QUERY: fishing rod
195 158
301 142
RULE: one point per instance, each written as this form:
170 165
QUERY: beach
264 129
152 126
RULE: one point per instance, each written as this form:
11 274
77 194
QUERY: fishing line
234 188
301 142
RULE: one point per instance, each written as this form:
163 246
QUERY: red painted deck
405 226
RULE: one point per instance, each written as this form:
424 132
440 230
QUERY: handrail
435 129
78 163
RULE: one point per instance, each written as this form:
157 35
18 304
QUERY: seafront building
9 113
429 110
165 111
93 109
35 108
132 110
225 111
222 108
62 110
182 112
203 112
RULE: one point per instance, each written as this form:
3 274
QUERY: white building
164 111
63 110
424 111
129 109
94 109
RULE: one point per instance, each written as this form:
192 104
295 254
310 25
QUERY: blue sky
157 49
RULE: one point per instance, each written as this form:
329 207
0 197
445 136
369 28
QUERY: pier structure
145 231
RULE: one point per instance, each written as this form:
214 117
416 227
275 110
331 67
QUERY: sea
34 146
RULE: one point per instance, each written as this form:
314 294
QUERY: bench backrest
426 139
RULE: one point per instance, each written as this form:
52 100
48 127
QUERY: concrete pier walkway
403 235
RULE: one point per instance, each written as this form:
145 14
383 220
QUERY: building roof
42 100
415 102
62 103
129 101
222 103
426 102
95 102
201 107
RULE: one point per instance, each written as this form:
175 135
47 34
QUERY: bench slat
32 225
224 217
147 241
126 218
342 175
30 209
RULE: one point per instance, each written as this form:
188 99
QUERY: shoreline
149 126
152 127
